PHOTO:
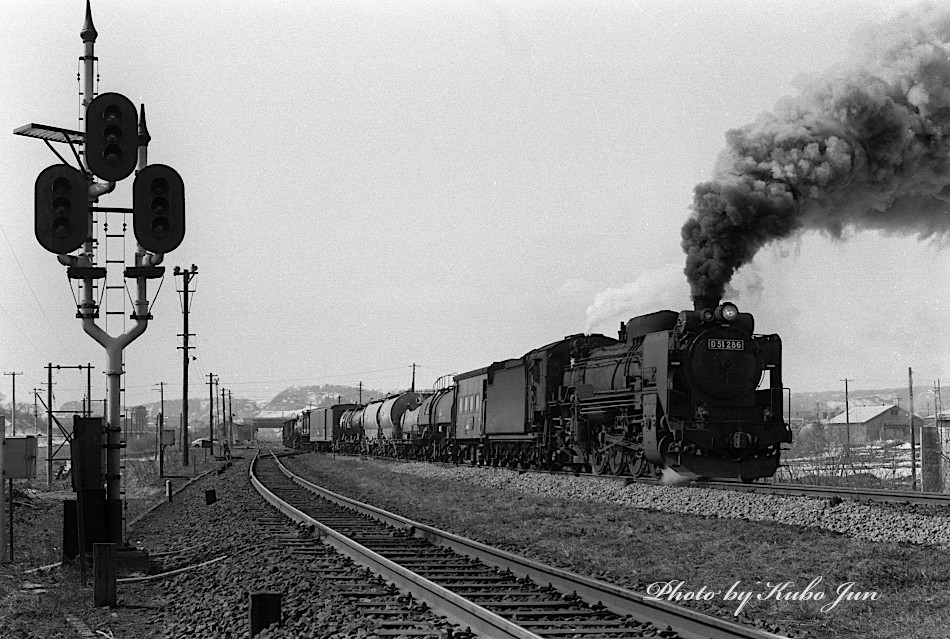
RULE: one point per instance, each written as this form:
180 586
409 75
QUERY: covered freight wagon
324 426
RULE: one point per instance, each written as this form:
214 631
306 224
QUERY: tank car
429 425
382 424
697 391
351 429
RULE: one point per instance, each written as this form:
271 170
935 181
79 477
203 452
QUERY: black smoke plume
864 147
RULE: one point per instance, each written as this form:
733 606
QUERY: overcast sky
374 184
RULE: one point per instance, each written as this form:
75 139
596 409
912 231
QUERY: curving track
494 593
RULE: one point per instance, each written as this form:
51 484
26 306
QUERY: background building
868 424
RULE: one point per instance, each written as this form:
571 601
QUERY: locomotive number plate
726 344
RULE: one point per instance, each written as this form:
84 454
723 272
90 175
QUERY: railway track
492 593
768 488
855 494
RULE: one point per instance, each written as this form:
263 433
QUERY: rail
688 623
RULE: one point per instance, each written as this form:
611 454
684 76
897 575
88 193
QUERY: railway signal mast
116 145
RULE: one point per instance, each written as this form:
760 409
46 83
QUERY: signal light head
158 208
111 137
61 221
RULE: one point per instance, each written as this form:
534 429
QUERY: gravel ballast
870 522
637 536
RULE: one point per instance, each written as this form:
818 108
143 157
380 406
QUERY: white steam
653 290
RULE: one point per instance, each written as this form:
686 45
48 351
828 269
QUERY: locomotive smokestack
701 302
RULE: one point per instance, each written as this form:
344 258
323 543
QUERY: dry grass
634 548
41 612
27 612
144 486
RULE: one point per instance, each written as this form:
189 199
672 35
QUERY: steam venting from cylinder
864 147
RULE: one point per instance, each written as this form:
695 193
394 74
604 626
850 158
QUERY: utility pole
49 410
13 401
49 424
936 393
913 446
217 397
211 410
36 408
158 427
186 277
361 393
224 421
230 419
89 368
847 418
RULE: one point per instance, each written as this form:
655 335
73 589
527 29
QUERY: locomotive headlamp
728 312
708 315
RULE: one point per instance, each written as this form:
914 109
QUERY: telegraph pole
88 406
186 277
36 408
49 424
913 452
217 398
224 421
13 401
847 418
158 427
211 410
230 419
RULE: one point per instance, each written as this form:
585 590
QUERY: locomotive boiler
697 391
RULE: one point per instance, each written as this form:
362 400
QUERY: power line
186 276
30 286
21 331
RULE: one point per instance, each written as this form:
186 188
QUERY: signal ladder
114 249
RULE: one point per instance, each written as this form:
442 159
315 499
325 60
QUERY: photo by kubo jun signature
676 591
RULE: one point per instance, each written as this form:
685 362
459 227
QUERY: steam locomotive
696 391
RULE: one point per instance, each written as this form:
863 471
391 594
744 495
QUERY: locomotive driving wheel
599 461
617 458
637 464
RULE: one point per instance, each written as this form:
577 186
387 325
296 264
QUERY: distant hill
301 397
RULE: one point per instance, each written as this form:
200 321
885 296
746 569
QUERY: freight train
697 391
